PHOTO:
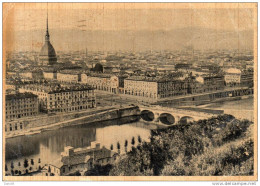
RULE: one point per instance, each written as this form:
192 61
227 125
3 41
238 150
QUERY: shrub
218 146
99 170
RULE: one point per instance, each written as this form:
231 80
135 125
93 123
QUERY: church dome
47 54
98 68
48 50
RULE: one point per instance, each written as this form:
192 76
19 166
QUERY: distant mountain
76 39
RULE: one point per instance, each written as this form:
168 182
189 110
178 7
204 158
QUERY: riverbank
79 119
241 109
207 97
228 99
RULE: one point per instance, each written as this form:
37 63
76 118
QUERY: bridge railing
178 111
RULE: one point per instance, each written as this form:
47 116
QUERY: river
241 109
47 146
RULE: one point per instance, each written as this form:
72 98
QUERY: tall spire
47 36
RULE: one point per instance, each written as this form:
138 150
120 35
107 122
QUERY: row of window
70 97
61 109
39 92
71 103
15 116
142 94
16 126
140 84
139 92
71 93
170 95
19 111
21 106
71 100
19 102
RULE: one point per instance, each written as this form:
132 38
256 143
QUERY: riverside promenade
182 100
77 118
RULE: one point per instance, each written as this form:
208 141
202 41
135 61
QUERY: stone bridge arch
167 118
147 115
170 117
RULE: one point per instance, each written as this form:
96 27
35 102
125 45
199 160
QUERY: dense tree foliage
99 170
221 145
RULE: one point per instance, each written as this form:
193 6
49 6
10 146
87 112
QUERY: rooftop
56 88
20 96
152 79
82 155
101 75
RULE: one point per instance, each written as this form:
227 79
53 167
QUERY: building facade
247 79
68 77
17 107
213 83
103 82
82 159
140 86
154 88
20 105
49 75
62 99
163 87
171 88
233 77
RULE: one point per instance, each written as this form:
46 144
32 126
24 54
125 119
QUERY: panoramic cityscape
159 110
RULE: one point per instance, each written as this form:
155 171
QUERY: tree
49 169
19 164
111 147
12 172
6 168
39 168
12 164
139 139
16 171
77 173
133 141
19 172
32 162
135 163
126 143
30 168
25 164
39 160
99 170
118 147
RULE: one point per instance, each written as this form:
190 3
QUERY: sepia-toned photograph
129 91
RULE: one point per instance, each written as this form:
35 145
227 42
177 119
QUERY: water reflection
112 135
48 145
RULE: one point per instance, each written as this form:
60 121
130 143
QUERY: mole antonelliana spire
47 55
47 37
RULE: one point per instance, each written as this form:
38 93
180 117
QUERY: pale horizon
128 27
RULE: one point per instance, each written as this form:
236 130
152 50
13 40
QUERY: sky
96 26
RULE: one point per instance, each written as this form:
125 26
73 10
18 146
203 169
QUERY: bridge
172 116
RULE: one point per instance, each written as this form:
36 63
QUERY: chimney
68 151
95 144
